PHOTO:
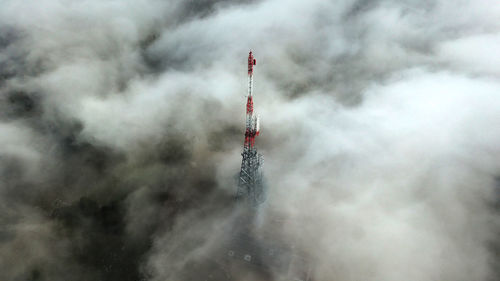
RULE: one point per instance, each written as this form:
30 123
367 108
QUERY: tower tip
251 62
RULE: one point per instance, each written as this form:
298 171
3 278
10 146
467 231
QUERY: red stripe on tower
249 105
251 63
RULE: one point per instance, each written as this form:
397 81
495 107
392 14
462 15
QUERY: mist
122 125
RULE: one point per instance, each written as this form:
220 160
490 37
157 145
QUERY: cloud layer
122 126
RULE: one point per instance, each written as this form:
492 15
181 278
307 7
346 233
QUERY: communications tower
250 182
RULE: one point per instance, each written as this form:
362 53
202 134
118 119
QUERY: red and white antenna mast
250 184
252 121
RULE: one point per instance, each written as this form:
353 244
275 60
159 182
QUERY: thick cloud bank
121 127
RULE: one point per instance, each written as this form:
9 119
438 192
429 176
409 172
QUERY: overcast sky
122 122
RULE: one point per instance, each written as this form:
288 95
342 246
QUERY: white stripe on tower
250 84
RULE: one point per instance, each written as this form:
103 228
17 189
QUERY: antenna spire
250 184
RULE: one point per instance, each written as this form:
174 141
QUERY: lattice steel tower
250 182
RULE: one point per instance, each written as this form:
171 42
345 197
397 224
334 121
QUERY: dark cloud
122 123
